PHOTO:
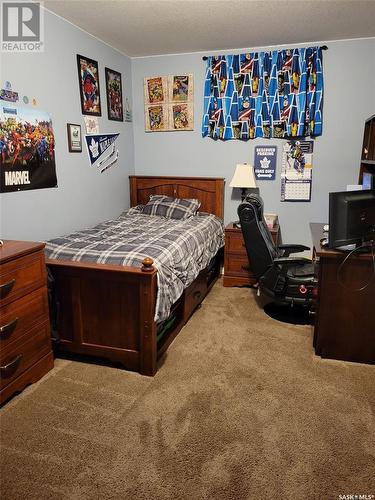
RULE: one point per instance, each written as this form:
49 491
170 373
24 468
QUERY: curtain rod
323 47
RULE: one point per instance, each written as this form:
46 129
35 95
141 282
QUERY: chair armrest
292 261
288 249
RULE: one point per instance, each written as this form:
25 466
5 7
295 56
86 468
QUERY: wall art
74 138
27 149
114 95
168 103
88 75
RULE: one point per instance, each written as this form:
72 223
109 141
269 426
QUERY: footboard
107 311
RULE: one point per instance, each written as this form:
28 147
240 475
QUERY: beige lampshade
243 176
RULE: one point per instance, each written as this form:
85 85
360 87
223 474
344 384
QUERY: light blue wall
349 70
84 196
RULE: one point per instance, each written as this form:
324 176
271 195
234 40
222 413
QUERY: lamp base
244 191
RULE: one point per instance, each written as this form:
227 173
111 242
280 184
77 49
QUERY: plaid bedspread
180 249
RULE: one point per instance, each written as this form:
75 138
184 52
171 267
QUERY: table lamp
244 178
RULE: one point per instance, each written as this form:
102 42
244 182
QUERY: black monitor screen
351 218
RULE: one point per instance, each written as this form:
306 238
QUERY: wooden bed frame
108 310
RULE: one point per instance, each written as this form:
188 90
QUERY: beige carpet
241 408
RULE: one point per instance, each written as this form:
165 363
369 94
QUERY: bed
109 311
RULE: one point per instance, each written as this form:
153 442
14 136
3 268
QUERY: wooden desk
345 318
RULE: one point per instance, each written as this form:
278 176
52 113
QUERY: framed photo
88 75
114 95
74 138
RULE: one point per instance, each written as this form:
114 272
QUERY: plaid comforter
180 248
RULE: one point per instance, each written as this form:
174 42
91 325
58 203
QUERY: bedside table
25 344
236 262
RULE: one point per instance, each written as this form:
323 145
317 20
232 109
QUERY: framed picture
88 75
155 90
74 138
180 88
114 95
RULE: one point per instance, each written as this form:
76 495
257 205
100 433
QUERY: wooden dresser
236 262
25 344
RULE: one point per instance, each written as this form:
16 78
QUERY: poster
88 75
265 163
296 174
114 95
102 150
91 124
27 149
168 103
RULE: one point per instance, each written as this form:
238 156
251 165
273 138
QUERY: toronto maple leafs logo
94 148
265 162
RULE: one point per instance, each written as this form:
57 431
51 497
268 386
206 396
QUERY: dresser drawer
21 276
18 317
194 295
234 242
235 265
19 356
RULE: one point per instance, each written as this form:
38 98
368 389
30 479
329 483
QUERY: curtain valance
264 94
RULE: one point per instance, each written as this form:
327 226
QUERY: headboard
208 190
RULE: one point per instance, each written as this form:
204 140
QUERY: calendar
296 172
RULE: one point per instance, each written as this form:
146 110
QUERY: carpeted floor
241 408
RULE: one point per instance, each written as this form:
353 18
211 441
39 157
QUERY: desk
345 318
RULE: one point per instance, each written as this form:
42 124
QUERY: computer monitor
351 219
368 180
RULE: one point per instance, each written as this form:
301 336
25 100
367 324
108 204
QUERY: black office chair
289 281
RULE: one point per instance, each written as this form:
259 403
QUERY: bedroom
84 198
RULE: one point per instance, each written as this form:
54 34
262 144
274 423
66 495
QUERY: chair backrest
260 247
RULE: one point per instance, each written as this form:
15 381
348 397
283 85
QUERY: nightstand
236 262
25 344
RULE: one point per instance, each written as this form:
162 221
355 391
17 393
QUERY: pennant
97 145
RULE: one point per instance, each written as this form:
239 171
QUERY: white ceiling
151 27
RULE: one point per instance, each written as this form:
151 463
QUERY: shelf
368 162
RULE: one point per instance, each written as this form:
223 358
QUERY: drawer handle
246 268
7 329
197 294
6 288
10 368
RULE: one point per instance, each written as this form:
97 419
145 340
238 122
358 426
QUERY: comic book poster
296 172
180 88
155 90
114 95
88 75
181 116
156 118
169 103
27 149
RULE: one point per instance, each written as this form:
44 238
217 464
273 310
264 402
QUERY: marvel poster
114 95
27 149
88 74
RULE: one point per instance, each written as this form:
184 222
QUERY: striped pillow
171 208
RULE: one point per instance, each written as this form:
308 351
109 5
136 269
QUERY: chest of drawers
25 345
237 269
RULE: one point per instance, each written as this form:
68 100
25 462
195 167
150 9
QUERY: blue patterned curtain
264 94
